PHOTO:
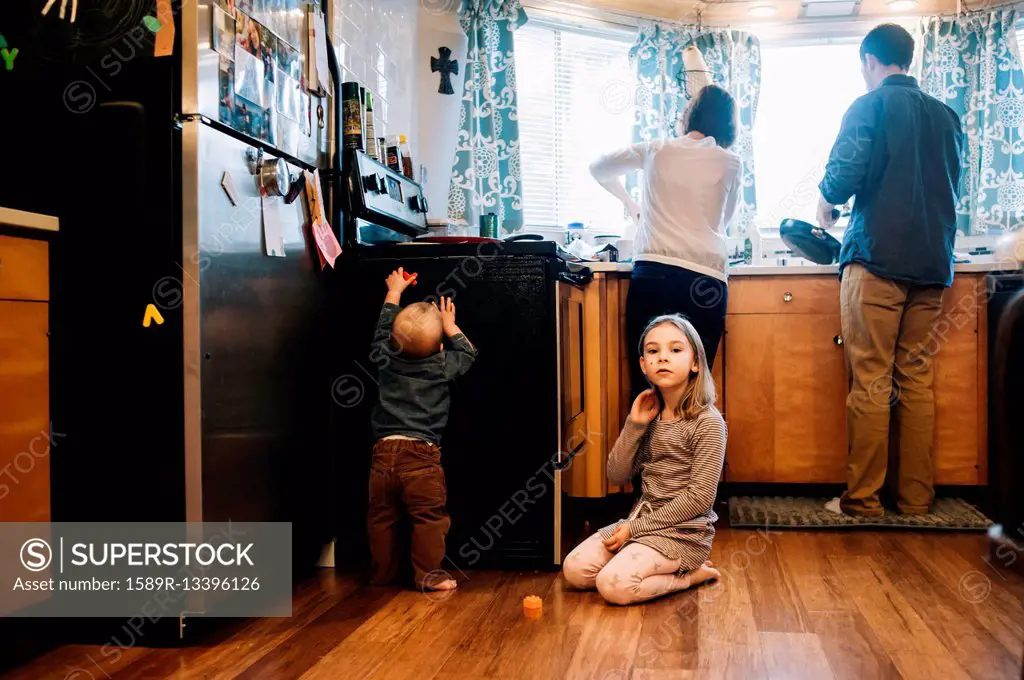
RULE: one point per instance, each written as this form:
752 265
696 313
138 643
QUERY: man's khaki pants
886 327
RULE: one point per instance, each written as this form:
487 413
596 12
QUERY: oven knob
382 187
423 204
369 182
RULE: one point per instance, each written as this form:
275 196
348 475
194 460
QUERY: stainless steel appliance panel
257 317
279 26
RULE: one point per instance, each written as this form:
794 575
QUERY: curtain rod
630 20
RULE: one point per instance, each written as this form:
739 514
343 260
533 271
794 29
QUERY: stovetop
419 249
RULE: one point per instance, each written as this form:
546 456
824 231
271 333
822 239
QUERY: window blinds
575 94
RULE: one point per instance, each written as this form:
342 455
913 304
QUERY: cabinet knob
787 297
838 339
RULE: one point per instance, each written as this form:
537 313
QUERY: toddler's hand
448 317
397 281
645 408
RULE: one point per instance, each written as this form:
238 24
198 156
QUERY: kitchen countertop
980 264
27 220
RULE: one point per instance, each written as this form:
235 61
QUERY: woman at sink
690 188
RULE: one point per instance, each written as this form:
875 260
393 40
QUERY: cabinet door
785 398
25 409
954 343
572 387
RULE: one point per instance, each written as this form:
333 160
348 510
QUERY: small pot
809 241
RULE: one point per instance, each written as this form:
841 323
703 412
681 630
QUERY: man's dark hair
713 114
891 44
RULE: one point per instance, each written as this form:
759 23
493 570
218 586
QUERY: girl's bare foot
703 573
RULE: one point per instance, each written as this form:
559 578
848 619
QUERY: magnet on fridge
229 187
164 43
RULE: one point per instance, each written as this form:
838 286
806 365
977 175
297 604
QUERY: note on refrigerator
326 243
319 74
272 239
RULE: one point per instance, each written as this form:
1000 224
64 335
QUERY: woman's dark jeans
656 288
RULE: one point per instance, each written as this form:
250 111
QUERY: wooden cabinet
787 381
24 381
960 349
592 425
785 394
608 359
782 382
24 401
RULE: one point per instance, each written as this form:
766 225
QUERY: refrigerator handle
335 174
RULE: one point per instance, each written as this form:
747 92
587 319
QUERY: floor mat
810 513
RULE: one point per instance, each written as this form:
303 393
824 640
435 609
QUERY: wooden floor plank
795 655
475 657
245 644
608 639
853 605
815 582
850 645
897 625
328 632
543 648
776 607
945 612
987 594
450 621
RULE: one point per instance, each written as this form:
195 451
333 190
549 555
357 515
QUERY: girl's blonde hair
700 392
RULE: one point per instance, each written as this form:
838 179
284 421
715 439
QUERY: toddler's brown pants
406 477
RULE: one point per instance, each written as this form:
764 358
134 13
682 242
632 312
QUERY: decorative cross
447 66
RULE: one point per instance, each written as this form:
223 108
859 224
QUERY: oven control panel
386 195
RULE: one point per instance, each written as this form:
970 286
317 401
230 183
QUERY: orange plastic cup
533 607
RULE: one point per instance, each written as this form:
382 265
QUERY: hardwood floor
845 605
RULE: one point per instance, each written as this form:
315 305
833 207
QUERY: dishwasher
1005 385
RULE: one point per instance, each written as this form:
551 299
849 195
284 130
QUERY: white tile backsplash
376 44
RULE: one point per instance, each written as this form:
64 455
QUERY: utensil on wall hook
63 8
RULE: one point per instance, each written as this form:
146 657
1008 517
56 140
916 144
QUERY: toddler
408 420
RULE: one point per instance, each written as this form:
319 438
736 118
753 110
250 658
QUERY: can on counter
489 225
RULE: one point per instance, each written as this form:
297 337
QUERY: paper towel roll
696 70
1010 247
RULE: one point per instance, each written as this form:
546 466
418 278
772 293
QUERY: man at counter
898 153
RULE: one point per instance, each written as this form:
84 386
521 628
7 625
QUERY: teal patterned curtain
485 176
971 64
734 59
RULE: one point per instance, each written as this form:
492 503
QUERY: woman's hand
633 210
619 538
645 408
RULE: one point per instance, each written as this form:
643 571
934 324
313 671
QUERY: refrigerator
168 158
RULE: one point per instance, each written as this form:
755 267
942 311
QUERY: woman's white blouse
690 191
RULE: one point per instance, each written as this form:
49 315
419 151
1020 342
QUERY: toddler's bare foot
448 584
703 573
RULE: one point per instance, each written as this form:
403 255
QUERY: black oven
500 450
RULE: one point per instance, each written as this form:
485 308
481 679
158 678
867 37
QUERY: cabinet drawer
792 294
24 269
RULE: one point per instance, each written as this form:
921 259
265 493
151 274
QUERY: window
575 91
805 90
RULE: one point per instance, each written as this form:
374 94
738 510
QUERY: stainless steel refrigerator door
205 90
250 324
